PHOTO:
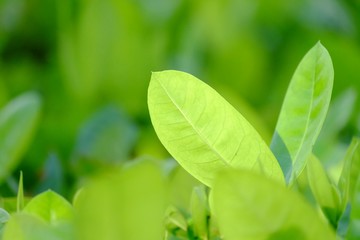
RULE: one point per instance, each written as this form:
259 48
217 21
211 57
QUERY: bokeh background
91 62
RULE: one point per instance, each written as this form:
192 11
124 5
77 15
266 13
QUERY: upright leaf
251 206
350 173
20 194
17 124
202 131
325 193
303 112
200 212
354 224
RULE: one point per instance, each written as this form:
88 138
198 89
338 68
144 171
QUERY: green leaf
248 205
20 196
50 207
340 111
108 137
175 220
326 194
200 212
4 218
202 131
350 172
18 121
354 224
303 112
22 226
126 204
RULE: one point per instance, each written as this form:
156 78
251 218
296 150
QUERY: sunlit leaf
202 131
18 121
251 206
303 111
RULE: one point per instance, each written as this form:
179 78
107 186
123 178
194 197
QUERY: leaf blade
303 112
250 206
202 131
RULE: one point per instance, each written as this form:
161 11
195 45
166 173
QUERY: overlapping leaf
250 206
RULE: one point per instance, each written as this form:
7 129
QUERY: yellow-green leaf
202 131
303 111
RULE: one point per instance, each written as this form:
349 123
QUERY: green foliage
127 204
188 113
18 121
303 112
250 206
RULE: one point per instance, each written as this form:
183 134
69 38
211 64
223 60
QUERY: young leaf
248 205
17 124
202 131
20 195
303 112
50 207
350 172
326 194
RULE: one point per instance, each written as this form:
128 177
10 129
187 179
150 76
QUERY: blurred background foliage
91 61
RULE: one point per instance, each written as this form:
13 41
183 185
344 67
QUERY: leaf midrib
193 126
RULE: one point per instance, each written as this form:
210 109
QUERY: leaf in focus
127 204
303 111
20 194
251 206
202 131
325 192
51 208
350 172
18 121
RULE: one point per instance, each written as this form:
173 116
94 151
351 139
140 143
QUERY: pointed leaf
303 112
251 206
18 121
202 131
51 207
326 194
20 195
350 172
